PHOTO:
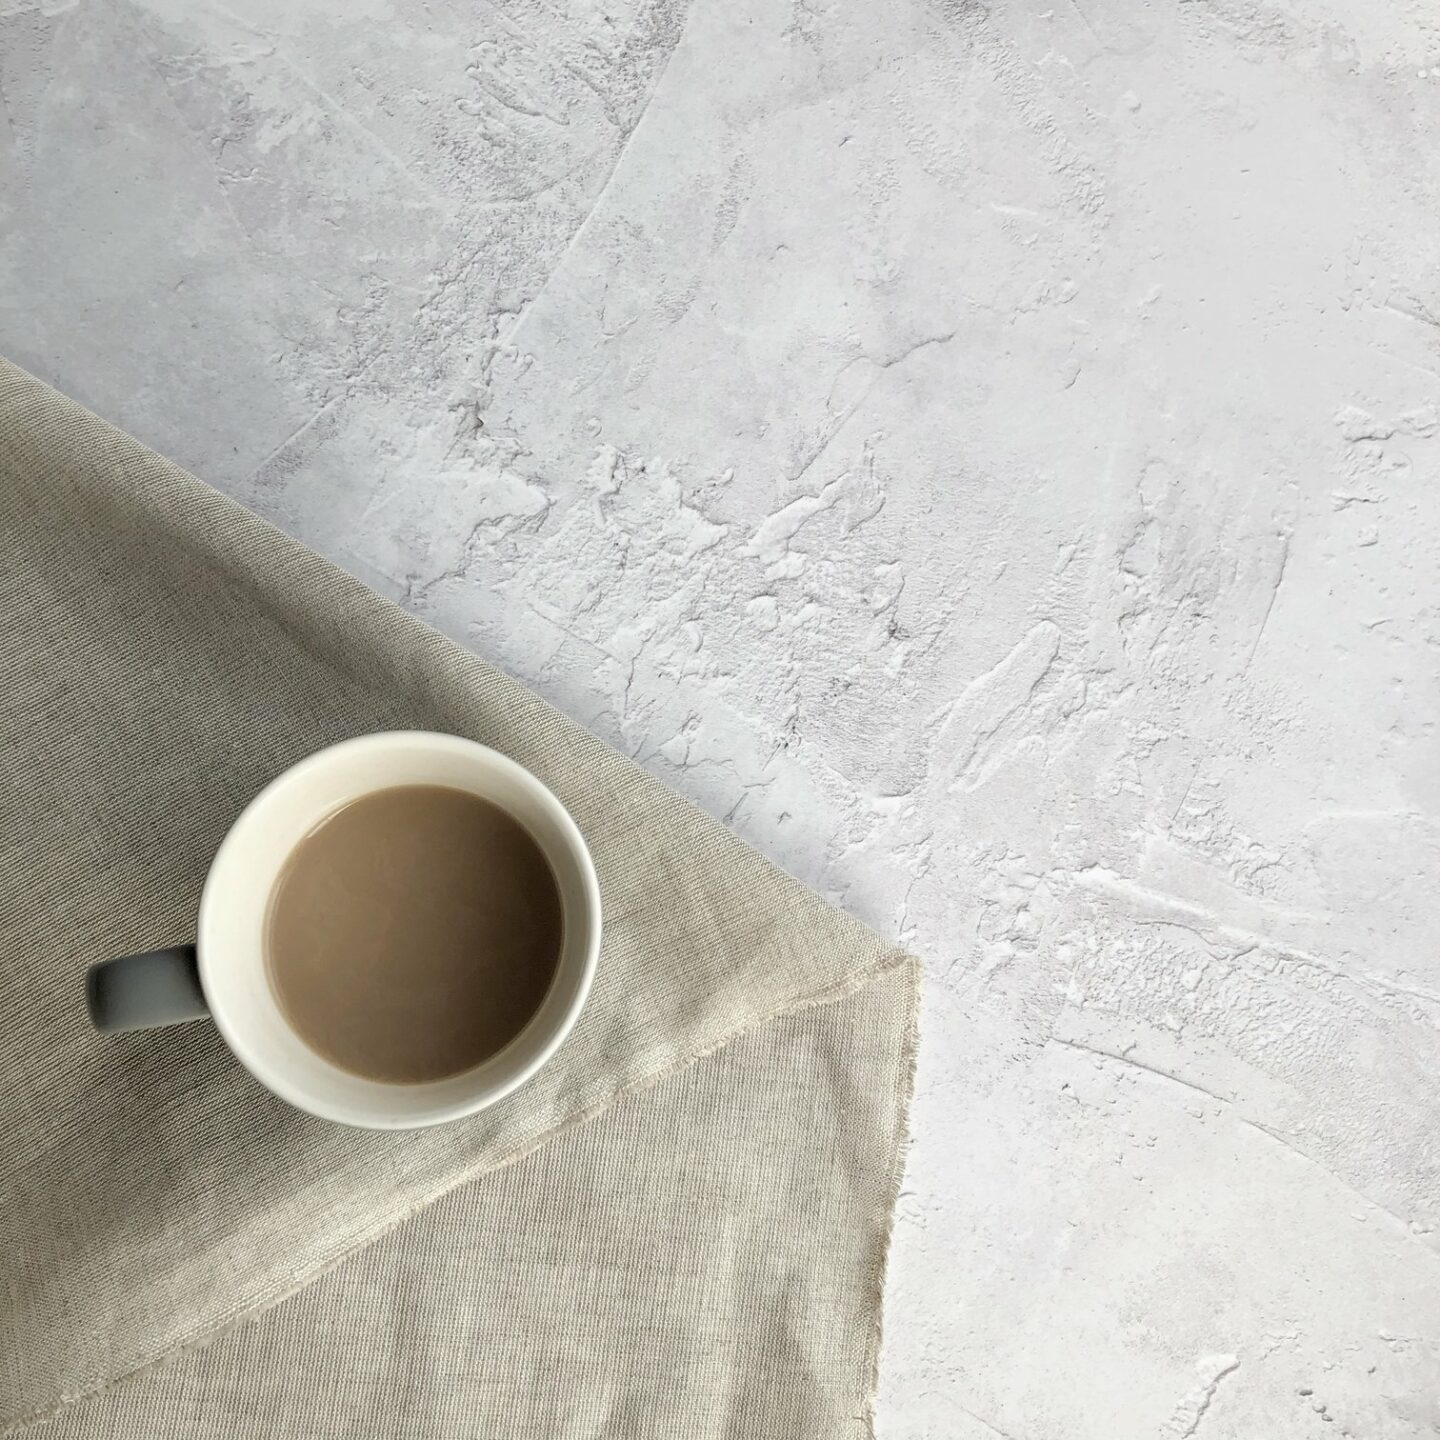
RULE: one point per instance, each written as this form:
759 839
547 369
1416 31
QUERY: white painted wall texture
986 453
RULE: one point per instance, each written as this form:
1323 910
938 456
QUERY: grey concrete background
985 453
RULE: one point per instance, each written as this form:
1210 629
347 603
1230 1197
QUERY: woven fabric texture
679 1227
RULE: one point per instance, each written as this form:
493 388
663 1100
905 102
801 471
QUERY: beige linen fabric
678 1228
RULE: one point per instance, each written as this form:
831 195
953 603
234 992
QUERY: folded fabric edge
892 960
899 1158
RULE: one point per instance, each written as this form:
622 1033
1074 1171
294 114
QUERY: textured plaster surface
986 454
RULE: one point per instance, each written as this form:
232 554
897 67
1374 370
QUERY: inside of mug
237 895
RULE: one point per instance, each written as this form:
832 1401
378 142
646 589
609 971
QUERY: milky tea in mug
413 933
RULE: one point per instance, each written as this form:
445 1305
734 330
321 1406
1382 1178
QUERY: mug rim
283 1085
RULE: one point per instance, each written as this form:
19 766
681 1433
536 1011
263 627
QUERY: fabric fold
164 653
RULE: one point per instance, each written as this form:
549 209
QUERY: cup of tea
397 931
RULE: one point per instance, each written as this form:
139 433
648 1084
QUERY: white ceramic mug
223 973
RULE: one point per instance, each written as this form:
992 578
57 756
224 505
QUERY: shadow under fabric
678 1228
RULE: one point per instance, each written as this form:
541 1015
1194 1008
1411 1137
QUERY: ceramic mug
223 973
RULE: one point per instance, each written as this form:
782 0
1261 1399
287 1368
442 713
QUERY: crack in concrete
1198 1404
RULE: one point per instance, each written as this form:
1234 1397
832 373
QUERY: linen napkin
678 1228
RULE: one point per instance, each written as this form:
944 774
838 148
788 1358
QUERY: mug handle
140 992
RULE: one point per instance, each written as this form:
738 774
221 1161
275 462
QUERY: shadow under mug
223 973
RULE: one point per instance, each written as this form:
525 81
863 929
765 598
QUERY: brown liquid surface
413 933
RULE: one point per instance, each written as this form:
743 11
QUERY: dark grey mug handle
139 992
